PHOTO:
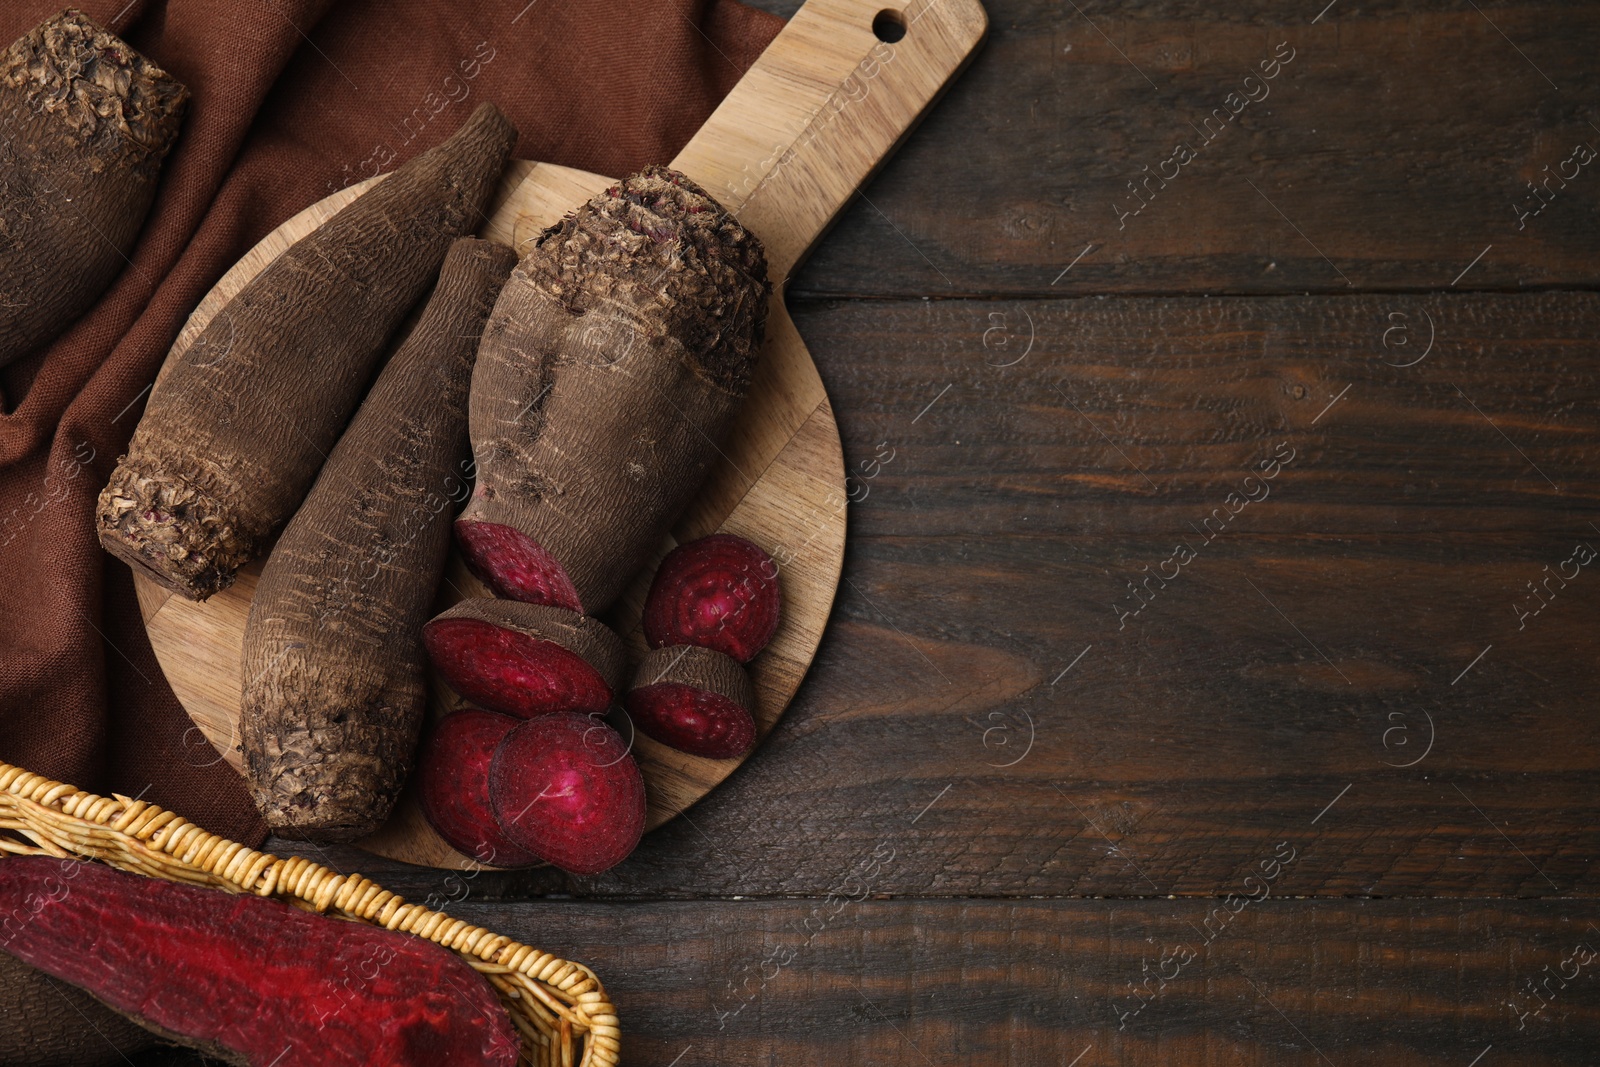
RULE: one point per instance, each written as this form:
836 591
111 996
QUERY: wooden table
1317 788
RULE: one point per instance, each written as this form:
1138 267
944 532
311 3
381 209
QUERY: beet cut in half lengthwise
697 700
718 592
252 981
85 122
613 365
453 784
565 788
526 659
238 426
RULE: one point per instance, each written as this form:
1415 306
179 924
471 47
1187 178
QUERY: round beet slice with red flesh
514 565
565 788
453 786
697 700
718 592
526 659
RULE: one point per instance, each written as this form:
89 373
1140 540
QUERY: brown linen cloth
292 99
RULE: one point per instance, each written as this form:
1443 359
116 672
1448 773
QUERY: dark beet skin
85 122
719 592
249 980
565 788
453 784
525 659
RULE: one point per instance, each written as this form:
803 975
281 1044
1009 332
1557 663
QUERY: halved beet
697 700
718 592
453 785
526 659
565 788
514 565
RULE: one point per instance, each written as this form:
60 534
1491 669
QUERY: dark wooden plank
1386 155
1002 984
903 984
1296 661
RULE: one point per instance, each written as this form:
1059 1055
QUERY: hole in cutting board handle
889 25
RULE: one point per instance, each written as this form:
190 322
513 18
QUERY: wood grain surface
1048 442
1386 155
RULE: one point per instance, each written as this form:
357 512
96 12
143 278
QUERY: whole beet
85 122
335 689
237 428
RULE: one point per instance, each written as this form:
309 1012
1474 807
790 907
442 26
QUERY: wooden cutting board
819 111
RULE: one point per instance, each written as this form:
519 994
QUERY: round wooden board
781 485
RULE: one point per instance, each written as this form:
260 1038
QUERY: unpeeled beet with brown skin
85 122
236 429
336 687
247 980
613 365
453 786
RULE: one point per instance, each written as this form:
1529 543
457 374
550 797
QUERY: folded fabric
292 100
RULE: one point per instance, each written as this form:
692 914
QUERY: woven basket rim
558 1006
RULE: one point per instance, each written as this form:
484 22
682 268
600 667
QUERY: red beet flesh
256 978
720 592
453 784
515 673
696 721
565 788
515 566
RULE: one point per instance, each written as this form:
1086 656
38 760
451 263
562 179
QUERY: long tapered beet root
610 371
248 980
335 672
526 659
565 788
697 700
85 122
718 592
235 432
453 785
48 1023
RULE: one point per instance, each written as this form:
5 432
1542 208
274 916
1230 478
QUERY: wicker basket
559 1007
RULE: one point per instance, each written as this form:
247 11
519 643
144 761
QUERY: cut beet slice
514 565
248 980
453 785
697 700
718 592
526 659
565 788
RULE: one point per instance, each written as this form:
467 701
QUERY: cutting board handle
822 108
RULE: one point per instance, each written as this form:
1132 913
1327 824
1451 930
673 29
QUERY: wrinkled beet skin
514 673
696 721
565 788
720 592
250 980
453 784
